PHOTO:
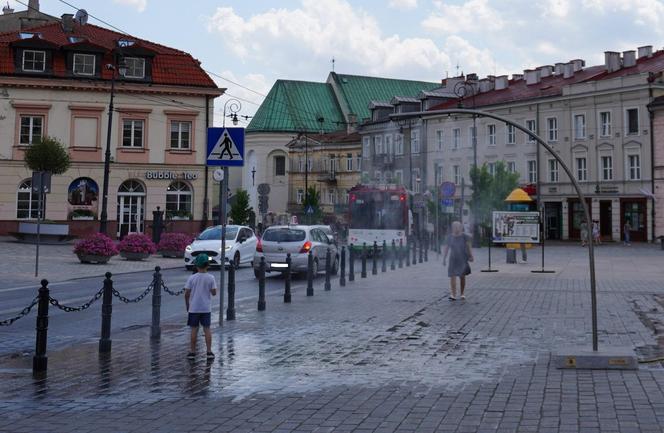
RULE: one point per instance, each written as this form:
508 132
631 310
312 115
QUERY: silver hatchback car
298 240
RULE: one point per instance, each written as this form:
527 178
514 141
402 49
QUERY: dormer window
84 64
75 39
25 35
34 61
124 43
135 67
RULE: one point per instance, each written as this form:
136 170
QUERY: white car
240 246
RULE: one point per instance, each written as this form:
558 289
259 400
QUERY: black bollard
414 261
383 267
392 254
342 277
328 269
310 274
351 263
400 253
421 252
374 259
287 280
155 331
364 260
106 312
261 285
230 309
407 252
40 360
426 249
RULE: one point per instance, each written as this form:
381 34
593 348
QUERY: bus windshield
382 211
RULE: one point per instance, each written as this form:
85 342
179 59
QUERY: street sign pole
223 198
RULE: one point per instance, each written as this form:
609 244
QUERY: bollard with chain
261 285
310 274
392 254
421 251
364 260
230 309
383 266
426 249
342 277
287 280
407 252
400 253
155 331
106 311
40 360
328 269
351 263
374 259
414 261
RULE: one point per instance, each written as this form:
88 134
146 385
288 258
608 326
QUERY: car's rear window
284 235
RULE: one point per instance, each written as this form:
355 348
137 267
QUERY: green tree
47 155
240 210
490 191
312 198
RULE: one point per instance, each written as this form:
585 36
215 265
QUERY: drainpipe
651 116
206 200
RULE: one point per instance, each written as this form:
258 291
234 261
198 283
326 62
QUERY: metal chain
139 298
85 306
170 292
24 312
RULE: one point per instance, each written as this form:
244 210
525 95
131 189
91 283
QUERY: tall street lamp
103 219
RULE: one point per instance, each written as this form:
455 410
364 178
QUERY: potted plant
136 246
178 215
174 244
97 248
82 214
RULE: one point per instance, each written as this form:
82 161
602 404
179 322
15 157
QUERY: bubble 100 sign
170 175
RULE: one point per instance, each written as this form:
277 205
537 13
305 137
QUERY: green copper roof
358 91
294 106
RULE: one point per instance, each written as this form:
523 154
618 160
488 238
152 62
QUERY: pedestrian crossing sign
225 147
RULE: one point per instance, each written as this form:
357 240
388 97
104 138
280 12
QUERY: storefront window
27 206
634 212
178 200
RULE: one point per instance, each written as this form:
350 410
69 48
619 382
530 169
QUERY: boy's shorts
199 319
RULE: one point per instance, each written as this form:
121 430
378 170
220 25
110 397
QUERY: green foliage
312 198
47 155
240 210
490 192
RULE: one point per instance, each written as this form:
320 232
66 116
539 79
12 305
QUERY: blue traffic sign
225 147
448 189
448 202
309 210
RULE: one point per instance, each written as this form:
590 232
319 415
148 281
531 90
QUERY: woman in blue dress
459 248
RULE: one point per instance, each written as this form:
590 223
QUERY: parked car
240 246
329 232
298 240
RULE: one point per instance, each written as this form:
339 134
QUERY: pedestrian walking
458 245
584 232
596 236
198 292
627 228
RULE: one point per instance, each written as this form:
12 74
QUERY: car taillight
306 247
259 246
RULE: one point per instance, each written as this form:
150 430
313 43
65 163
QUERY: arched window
178 200
27 205
131 186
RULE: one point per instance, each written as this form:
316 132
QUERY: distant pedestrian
584 233
198 292
458 245
596 235
627 228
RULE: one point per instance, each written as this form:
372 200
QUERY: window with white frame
27 203
416 179
300 164
300 196
632 121
178 199
414 141
456 173
359 163
491 134
132 133
378 144
605 123
532 127
607 167
331 196
349 162
34 61
366 146
438 170
491 168
510 134
388 144
472 136
180 134
456 138
511 166
32 129
398 144
552 128
581 169
579 126
553 170
531 167
135 67
84 64
439 139
634 167
398 177
378 176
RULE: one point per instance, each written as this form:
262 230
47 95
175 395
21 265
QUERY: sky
251 43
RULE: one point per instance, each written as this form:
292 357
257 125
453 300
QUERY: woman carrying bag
458 245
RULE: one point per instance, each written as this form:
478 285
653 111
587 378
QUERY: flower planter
134 256
82 218
172 253
93 258
180 218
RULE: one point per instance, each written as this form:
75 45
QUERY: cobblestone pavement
385 354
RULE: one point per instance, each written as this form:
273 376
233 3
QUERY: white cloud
140 5
555 8
645 12
402 4
249 99
472 16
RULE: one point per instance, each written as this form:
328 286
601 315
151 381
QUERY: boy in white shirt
198 292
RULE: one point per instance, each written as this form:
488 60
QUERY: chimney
533 76
568 70
629 58
33 8
559 68
645 51
517 77
67 23
611 61
545 71
502 82
451 82
486 84
578 64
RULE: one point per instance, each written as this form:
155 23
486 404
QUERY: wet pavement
384 354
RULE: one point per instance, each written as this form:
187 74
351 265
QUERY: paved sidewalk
385 354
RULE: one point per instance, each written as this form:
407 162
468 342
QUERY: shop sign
515 227
608 189
170 175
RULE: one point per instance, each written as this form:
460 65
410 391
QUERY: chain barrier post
400 253
40 360
287 280
426 249
261 285
393 253
342 277
383 267
407 252
106 311
374 259
364 260
421 251
328 270
155 332
230 309
351 263
310 274
414 260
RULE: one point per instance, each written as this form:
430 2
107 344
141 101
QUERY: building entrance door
634 211
131 208
605 227
577 216
553 220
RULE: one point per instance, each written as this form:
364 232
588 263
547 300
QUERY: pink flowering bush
97 244
174 241
137 243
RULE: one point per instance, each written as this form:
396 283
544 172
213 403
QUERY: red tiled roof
169 66
552 86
